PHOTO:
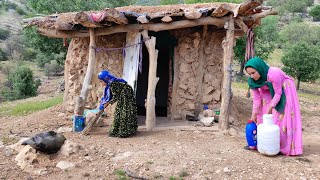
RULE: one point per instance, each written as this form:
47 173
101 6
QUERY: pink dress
290 121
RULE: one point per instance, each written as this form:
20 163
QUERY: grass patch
121 174
310 97
159 176
30 107
8 140
183 174
274 59
240 85
175 178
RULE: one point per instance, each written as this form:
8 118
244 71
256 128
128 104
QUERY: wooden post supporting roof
152 80
87 79
227 45
66 76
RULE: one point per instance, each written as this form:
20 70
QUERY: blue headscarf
108 78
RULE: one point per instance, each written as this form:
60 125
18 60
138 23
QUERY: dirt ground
169 152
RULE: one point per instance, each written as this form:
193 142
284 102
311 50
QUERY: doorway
165 45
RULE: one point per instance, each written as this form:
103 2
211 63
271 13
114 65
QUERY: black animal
47 142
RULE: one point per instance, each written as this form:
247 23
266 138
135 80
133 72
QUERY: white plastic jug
268 136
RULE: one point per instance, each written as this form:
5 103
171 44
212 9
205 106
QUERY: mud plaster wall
78 62
198 72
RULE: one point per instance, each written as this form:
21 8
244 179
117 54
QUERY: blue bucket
78 123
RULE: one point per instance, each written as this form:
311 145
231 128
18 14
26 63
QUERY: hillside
11 21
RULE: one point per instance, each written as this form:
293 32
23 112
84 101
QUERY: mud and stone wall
78 62
198 72
198 61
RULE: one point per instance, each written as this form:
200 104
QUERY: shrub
29 54
9 5
3 55
21 83
4 34
315 13
20 11
42 58
52 69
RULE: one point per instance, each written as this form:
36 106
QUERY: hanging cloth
250 45
249 51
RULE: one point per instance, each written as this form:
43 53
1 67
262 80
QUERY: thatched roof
135 18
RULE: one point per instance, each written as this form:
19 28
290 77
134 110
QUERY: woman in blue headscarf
117 90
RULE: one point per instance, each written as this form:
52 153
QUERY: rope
123 49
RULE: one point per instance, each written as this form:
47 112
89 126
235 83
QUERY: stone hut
177 58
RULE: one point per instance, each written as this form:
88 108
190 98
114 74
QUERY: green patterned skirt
125 121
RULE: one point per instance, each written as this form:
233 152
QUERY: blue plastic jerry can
78 123
251 134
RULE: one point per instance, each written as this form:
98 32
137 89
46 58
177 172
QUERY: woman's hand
254 117
270 110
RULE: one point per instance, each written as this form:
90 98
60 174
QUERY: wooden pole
66 76
227 45
152 80
87 79
241 24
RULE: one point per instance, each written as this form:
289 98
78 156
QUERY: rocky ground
169 152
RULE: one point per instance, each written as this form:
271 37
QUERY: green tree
302 61
266 37
209 1
60 6
147 2
42 43
167 2
29 54
298 32
41 58
51 47
21 83
315 13
293 6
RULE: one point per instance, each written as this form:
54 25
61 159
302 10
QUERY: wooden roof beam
219 22
241 24
260 15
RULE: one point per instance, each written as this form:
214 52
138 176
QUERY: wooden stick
227 45
89 126
260 15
